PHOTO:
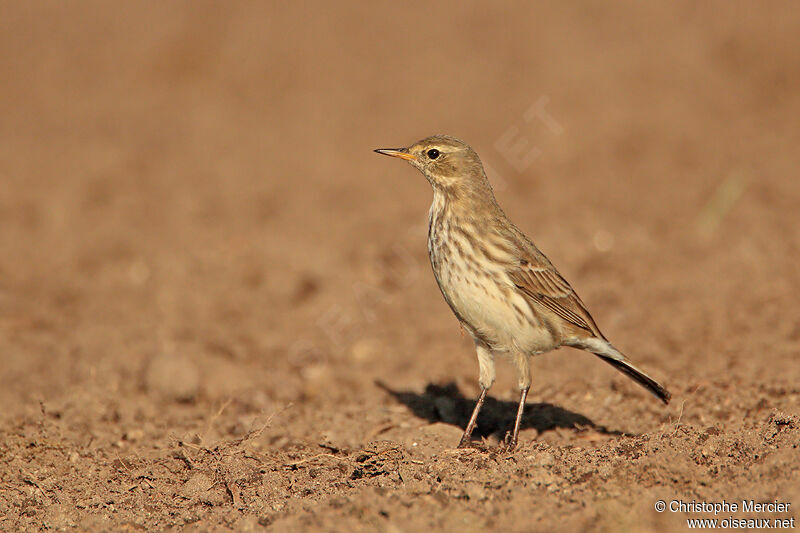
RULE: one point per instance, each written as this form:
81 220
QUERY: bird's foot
465 442
509 442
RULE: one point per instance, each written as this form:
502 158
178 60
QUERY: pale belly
492 309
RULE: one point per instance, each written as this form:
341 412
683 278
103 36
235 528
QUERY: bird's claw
509 442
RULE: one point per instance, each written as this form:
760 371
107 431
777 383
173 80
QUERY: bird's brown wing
537 278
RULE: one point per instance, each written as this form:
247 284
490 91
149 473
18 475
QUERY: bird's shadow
445 403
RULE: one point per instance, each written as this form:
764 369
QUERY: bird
502 289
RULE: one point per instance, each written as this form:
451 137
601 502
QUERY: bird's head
448 163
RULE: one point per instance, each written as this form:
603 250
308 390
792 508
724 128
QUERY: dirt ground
216 307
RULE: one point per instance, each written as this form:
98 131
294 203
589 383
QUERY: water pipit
503 290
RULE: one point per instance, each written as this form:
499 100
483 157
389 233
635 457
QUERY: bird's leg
486 379
466 437
512 442
522 362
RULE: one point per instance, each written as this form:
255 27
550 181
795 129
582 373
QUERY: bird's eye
433 153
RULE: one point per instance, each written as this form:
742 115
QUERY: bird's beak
402 153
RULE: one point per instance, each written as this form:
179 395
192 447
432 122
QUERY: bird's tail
606 351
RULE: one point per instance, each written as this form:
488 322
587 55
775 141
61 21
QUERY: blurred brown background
197 242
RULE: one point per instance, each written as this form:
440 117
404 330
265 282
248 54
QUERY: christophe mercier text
746 506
